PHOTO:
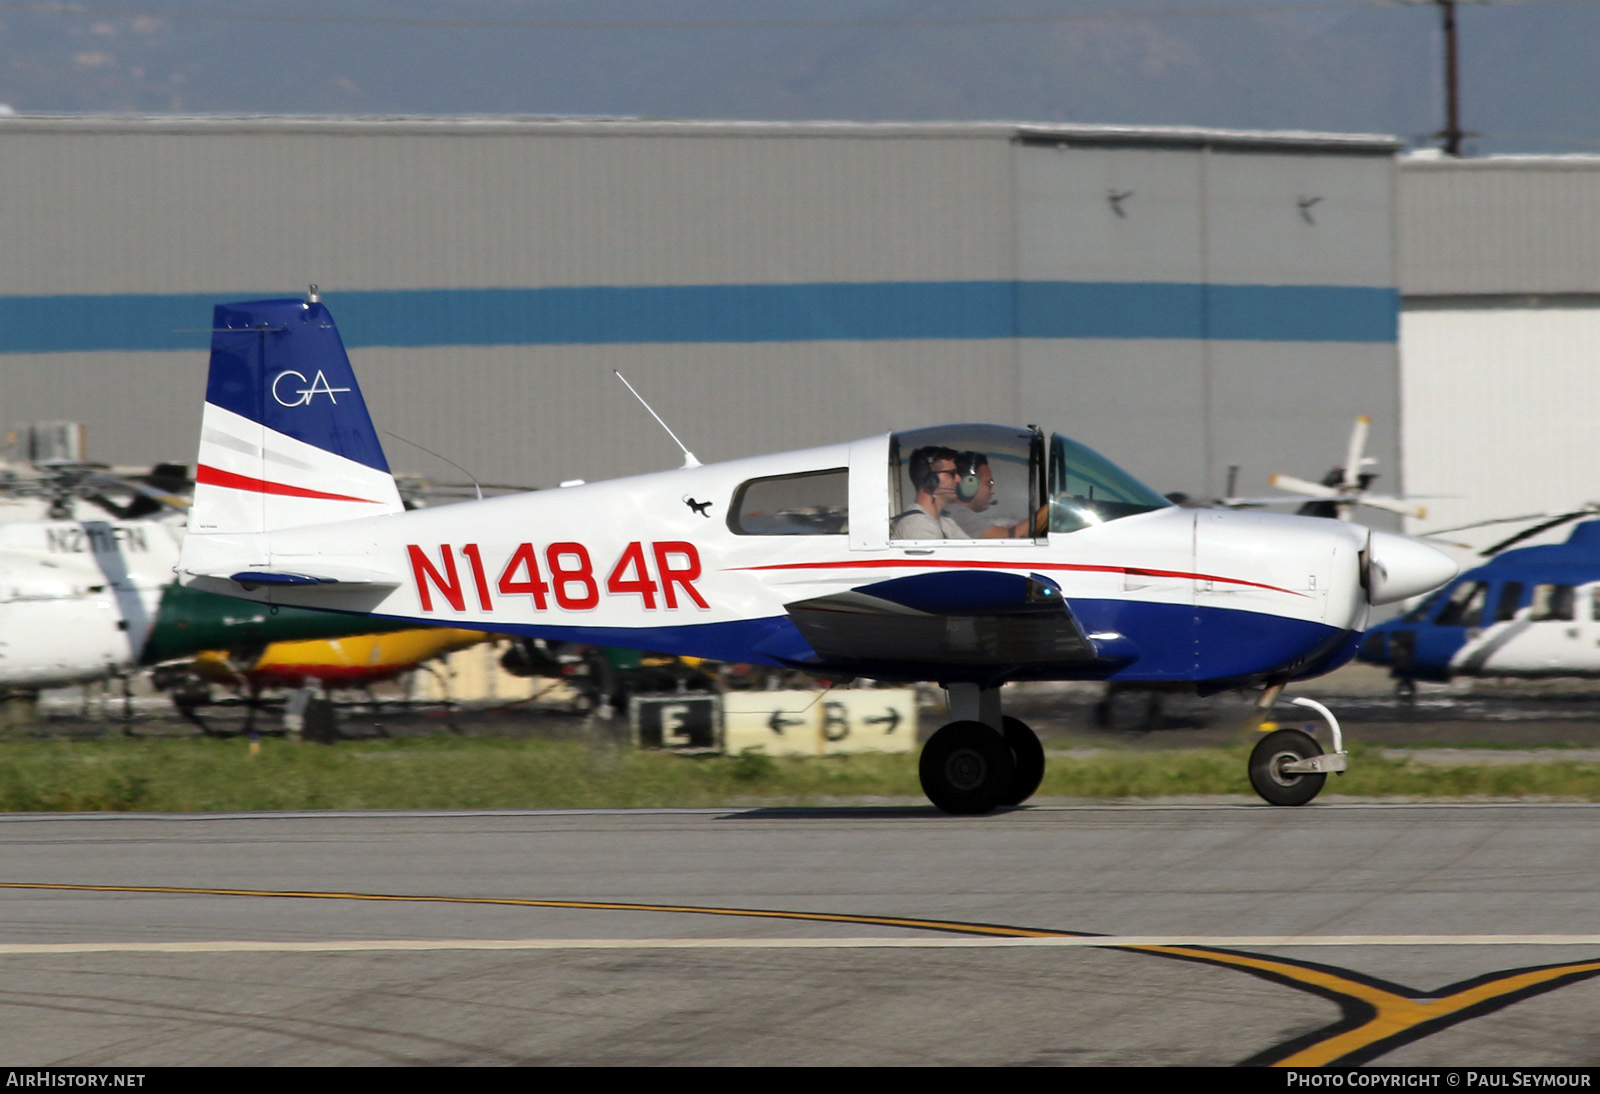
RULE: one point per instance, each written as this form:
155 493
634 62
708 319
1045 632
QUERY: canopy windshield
1087 489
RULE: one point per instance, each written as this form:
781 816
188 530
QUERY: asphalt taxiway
1211 934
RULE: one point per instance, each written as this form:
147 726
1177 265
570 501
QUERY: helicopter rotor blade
113 482
1306 486
1392 505
1591 508
1529 533
1355 455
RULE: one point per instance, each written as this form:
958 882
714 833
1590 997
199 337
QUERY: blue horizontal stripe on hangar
865 311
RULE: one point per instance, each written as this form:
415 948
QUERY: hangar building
1500 269
1181 299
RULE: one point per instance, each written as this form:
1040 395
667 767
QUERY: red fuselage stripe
212 476
985 564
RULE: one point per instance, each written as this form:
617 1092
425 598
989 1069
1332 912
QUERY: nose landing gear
1289 767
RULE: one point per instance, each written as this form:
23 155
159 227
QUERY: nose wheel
1289 767
1271 762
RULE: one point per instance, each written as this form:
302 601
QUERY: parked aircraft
1342 489
1531 612
324 664
79 598
793 560
86 598
353 661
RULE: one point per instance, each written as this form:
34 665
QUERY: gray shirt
918 523
973 524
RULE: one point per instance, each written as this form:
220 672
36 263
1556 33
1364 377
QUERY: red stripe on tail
212 476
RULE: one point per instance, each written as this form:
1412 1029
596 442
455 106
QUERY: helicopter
1340 492
816 560
1533 612
87 591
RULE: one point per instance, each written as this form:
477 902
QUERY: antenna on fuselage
436 455
688 457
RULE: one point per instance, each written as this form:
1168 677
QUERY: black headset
967 466
929 482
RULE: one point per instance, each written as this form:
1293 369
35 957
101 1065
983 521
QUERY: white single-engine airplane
789 560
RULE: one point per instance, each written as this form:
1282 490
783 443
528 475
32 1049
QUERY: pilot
933 472
975 495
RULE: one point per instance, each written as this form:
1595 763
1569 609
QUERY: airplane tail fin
285 439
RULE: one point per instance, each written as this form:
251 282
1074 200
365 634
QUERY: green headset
967 466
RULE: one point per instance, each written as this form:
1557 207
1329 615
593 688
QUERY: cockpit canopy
1006 476
1005 483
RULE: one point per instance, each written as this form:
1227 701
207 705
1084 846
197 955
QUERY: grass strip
198 776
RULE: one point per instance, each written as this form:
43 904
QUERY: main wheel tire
1029 756
1268 759
966 768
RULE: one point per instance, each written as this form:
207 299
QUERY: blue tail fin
282 363
286 439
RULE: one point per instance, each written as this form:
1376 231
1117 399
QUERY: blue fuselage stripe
865 311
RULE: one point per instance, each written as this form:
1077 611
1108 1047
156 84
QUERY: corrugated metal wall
1238 224
228 211
227 208
1507 225
766 286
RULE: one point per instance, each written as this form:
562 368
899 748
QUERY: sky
1528 79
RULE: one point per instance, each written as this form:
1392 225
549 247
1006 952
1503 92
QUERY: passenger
933 473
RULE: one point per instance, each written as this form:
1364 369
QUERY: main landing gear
982 759
1288 766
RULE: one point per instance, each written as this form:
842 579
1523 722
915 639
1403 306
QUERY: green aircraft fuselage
190 621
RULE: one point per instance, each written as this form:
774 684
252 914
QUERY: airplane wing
957 619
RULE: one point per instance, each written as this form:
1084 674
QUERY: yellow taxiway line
1377 1015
